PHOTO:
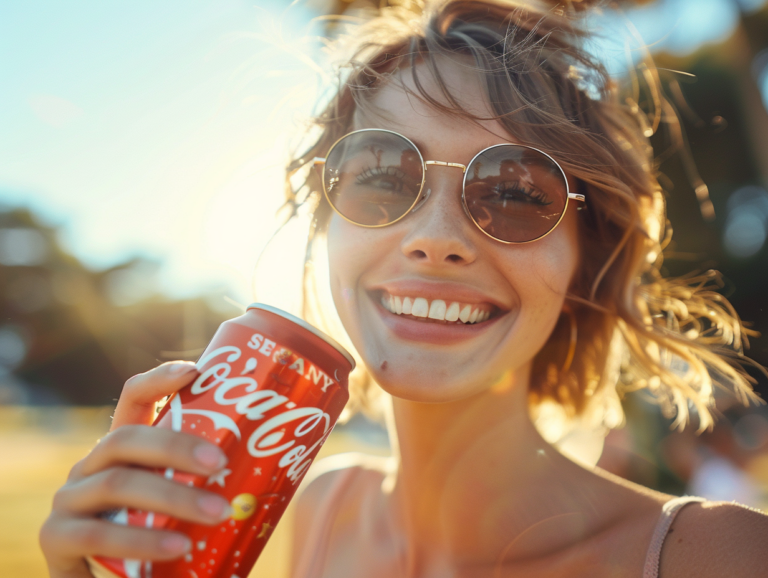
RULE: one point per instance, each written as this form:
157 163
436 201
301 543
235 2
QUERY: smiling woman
440 255
488 205
501 73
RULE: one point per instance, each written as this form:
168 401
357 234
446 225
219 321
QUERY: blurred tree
72 335
726 124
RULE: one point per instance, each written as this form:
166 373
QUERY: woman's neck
478 485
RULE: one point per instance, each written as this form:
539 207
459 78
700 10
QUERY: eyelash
379 171
533 194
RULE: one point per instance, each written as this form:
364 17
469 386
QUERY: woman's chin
421 390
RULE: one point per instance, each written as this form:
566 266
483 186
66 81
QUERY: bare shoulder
326 474
319 496
716 539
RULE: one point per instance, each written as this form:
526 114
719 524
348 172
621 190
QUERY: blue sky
152 128
160 128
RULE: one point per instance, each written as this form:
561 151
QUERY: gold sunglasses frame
422 197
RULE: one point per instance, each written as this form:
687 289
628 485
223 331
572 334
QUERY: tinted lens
373 177
514 193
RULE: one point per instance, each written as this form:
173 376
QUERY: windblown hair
679 338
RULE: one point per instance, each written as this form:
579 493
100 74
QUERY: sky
154 129
160 129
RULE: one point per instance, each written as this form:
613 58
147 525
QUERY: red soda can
270 390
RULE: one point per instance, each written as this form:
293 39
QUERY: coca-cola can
270 390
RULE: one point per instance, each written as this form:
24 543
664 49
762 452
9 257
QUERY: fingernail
210 456
176 544
181 367
215 506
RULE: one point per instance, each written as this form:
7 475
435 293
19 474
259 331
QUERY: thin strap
314 561
668 513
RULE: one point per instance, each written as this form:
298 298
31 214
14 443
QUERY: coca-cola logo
243 393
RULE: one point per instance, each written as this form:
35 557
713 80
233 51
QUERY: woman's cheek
558 257
351 253
340 260
548 267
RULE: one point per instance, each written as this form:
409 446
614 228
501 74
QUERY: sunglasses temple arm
577 197
318 164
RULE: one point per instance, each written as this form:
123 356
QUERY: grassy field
37 449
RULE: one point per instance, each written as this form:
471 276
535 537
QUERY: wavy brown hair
679 338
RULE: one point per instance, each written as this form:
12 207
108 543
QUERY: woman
492 222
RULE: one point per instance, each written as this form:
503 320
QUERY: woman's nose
439 230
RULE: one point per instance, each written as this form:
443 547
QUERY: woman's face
437 253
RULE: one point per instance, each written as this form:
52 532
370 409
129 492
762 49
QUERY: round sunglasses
513 193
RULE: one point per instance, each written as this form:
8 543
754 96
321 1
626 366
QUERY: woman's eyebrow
419 145
364 126
357 125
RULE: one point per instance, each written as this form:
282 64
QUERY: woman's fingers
66 541
72 532
116 475
140 393
121 486
152 447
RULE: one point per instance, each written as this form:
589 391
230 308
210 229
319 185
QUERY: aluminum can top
299 321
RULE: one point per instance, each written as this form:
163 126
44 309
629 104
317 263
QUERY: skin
477 491
458 407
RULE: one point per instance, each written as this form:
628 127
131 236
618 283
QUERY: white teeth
437 310
407 305
420 307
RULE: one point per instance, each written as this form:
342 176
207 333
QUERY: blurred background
141 154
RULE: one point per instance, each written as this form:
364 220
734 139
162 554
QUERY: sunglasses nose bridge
445 164
426 191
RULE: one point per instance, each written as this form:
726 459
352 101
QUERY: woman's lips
447 291
426 330
437 309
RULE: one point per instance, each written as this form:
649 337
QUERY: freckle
383 366
680 541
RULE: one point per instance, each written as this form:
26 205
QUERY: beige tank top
311 566
668 513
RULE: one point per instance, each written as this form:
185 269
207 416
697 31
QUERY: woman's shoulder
716 539
328 474
333 484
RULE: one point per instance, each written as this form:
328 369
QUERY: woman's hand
113 476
